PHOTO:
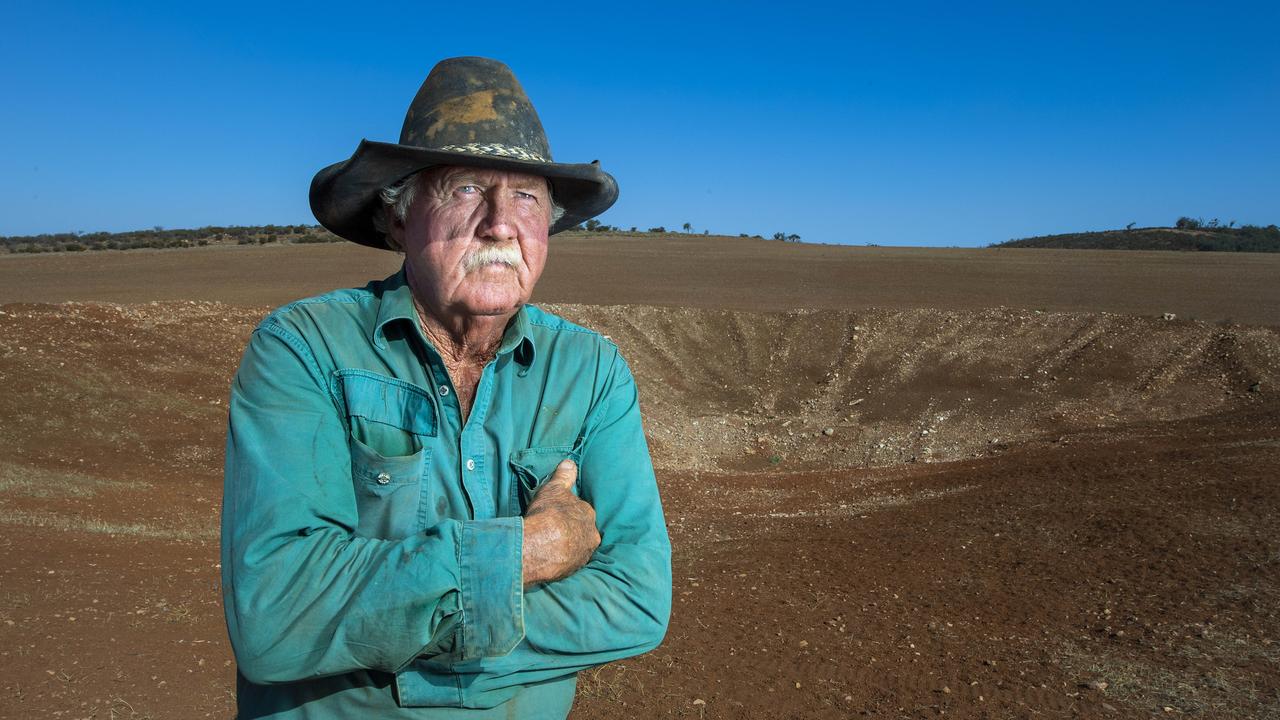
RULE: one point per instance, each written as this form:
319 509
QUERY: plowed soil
898 483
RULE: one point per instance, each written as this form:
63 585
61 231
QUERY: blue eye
468 189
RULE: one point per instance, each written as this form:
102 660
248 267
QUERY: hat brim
344 196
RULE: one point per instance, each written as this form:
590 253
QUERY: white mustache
508 255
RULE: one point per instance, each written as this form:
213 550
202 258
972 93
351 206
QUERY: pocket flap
388 401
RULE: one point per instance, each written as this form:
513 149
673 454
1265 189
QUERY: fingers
566 473
557 489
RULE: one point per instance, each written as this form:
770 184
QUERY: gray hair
398 197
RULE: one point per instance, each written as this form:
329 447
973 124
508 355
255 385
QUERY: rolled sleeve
492 587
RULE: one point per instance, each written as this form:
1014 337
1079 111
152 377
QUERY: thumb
566 473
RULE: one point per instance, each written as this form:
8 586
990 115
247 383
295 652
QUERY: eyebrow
530 182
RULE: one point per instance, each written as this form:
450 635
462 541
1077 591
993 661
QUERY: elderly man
439 502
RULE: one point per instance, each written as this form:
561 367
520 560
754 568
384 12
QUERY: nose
499 222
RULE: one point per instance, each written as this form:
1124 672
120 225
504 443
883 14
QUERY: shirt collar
397 305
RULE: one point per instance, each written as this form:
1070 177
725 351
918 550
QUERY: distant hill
258 235
162 238
1248 238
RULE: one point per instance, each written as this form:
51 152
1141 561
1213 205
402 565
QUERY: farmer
439 502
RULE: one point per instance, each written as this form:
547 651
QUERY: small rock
1099 685
1169 316
828 431
699 701
804 643
946 690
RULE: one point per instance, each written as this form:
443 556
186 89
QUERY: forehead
449 174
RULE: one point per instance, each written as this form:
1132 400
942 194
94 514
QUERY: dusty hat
470 111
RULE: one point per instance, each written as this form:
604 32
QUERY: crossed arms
307 598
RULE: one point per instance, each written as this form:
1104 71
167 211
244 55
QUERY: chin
492 311
503 304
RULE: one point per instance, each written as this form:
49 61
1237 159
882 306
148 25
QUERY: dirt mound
814 389
723 390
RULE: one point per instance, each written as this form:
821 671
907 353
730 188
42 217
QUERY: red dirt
702 272
1094 501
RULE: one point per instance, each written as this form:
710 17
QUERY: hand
560 531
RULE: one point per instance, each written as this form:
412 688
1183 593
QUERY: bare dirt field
701 272
899 482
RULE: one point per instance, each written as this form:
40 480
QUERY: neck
463 339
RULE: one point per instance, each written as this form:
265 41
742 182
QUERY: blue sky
907 123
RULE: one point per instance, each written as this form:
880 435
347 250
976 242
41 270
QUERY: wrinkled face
475 241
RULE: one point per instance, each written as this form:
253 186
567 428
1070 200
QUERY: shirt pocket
533 466
390 422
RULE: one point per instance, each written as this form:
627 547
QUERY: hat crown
475 105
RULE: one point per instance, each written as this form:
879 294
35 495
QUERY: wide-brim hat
471 112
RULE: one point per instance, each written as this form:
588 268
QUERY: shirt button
383 478
471 464
444 390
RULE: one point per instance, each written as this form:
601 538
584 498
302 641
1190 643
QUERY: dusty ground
953 510
702 272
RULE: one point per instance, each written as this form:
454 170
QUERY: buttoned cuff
492 587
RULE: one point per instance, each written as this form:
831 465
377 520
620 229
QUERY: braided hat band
496 150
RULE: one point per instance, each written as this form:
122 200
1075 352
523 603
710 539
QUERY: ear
395 230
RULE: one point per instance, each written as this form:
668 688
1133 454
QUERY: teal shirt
371 540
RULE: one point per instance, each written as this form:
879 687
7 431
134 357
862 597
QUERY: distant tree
1186 223
659 229
780 236
1129 226
593 225
688 227
793 238
633 228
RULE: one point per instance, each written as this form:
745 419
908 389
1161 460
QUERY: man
439 502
